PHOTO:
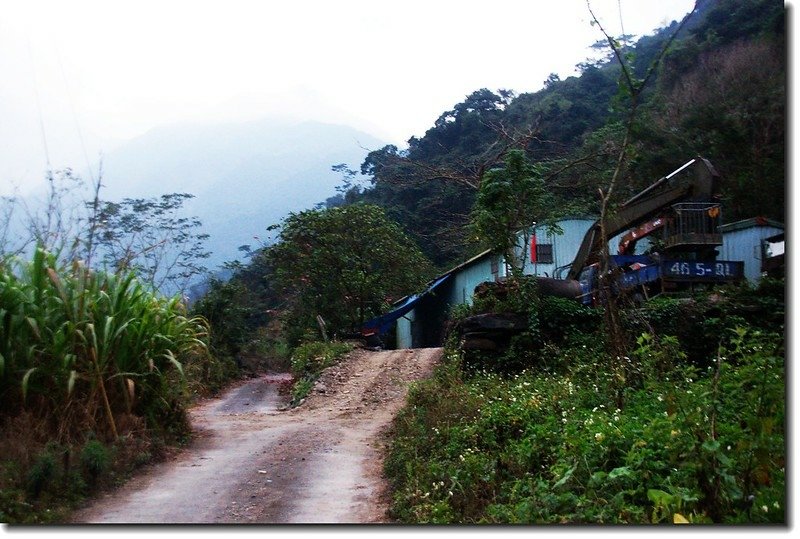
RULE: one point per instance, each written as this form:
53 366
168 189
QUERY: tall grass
82 349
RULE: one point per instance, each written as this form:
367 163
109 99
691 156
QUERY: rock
494 322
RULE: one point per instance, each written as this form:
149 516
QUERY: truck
680 214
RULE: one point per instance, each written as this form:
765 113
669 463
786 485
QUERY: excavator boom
696 180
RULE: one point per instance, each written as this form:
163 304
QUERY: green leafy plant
95 459
344 265
43 473
550 444
84 351
309 360
510 200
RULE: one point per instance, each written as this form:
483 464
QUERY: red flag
533 247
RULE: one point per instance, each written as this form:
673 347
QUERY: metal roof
750 223
383 323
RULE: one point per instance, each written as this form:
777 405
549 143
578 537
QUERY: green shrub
95 460
564 320
300 390
71 334
309 360
551 322
693 320
42 474
85 351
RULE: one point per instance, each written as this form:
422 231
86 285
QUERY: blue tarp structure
384 323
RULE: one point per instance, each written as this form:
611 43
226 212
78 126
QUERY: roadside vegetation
96 371
668 413
565 433
309 360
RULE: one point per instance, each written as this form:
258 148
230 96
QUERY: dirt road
253 463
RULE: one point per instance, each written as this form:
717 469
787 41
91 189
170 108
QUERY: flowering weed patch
552 445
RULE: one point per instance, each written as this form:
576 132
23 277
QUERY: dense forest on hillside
718 92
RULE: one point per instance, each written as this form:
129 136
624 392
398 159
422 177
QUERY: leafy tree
630 97
348 191
344 264
510 200
56 220
152 238
430 187
149 236
239 308
8 208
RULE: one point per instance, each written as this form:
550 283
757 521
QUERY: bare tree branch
635 89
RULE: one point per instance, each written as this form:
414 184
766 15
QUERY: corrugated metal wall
403 329
410 330
467 278
565 246
745 244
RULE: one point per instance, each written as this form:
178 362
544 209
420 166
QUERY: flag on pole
533 247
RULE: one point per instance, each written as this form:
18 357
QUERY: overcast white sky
81 75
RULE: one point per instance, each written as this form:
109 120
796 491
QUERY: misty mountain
245 176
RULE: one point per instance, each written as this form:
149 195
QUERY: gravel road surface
252 462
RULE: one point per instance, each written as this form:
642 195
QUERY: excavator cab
694 227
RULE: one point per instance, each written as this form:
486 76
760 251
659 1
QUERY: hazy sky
79 76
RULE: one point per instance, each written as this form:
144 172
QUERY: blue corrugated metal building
546 252
421 319
424 324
